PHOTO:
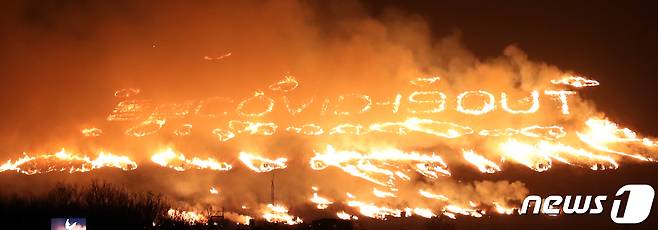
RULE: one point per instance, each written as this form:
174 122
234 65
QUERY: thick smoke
62 64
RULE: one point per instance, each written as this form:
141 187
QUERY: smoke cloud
63 63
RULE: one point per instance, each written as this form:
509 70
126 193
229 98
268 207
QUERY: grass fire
299 115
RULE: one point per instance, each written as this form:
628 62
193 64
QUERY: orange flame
63 161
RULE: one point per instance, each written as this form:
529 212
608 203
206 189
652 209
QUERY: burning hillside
271 110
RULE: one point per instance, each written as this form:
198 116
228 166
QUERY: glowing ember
245 108
539 156
486 108
575 81
261 164
382 194
379 166
424 81
254 128
451 210
503 210
484 165
308 129
209 58
287 84
604 135
223 135
426 126
238 218
179 162
431 195
424 212
525 154
321 202
91 132
63 161
533 108
279 214
127 92
110 160
184 130
190 217
147 127
345 216
562 96
374 211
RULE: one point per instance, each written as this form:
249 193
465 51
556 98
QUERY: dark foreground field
109 206
106 206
